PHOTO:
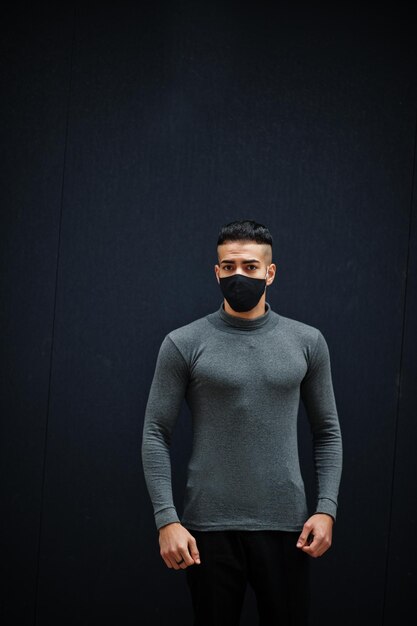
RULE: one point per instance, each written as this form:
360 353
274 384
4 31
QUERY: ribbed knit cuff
166 516
325 505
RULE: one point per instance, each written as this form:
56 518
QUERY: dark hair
244 230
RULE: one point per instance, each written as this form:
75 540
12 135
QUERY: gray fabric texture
242 380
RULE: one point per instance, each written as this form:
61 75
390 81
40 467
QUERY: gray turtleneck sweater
242 380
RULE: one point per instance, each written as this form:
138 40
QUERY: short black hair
244 230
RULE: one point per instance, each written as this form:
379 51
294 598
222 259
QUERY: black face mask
242 292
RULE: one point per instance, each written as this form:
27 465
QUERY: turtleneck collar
234 324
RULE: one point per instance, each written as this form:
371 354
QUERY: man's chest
239 361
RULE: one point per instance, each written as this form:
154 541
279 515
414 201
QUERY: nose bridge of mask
242 274
265 277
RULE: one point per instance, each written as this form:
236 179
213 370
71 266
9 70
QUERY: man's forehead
241 249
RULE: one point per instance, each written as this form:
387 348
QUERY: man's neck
255 312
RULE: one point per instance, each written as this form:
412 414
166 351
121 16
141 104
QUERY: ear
271 274
216 271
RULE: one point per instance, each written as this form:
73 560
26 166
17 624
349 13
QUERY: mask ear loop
266 277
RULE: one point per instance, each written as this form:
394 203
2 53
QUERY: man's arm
178 547
164 402
318 397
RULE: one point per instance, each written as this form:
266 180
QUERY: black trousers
269 560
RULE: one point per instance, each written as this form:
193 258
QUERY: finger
316 547
184 558
171 560
188 558
194 550
167 561
174 563
302 539
178 560
324 546
175 560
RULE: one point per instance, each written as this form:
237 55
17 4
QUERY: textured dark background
130 133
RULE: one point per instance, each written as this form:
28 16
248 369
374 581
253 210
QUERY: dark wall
131 133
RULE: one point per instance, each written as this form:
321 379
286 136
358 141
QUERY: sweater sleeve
318 398
162 409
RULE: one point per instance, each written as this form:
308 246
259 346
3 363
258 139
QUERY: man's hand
320 526
177 543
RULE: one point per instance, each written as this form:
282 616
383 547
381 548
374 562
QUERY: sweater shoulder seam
313 356
178 350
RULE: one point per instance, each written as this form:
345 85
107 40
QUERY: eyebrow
244 261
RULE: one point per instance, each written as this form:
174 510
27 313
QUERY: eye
254 267
225 267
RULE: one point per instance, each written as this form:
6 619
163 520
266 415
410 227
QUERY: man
242 370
